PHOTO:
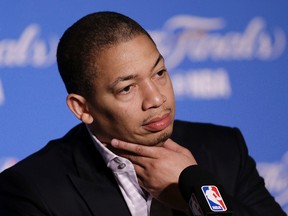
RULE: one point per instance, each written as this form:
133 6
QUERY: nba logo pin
214 198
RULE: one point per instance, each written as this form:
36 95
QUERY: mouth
158 123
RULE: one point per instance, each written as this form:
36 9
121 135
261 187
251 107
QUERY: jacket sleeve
19 197
251 196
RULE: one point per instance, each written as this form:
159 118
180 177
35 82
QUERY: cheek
118 113
127 122
130 116
169 91
131 110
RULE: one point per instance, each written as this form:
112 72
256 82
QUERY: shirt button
121 166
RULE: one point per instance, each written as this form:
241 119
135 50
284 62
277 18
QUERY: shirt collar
106 154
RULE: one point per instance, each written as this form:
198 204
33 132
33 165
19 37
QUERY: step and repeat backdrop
228 61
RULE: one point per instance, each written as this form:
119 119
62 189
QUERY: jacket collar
93 180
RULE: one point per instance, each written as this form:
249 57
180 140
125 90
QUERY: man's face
134 99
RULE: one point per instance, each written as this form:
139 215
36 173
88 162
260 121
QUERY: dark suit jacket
69 178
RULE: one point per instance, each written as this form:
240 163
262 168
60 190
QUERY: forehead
132 57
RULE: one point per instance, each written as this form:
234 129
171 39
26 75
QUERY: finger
136 159
138 169
170 144
145 151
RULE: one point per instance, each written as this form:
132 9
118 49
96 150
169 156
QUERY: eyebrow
160 57
130 77
123 78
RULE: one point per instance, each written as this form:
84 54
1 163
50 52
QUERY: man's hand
158 168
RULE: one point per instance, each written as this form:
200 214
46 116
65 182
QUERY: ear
78 105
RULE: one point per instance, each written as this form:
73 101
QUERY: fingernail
114 142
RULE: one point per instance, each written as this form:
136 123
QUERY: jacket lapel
101 199
93 180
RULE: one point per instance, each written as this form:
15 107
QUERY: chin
164 135
157 139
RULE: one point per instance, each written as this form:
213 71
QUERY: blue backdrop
227 60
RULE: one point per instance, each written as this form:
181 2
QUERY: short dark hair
82 42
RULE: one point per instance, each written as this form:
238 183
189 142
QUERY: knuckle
139 150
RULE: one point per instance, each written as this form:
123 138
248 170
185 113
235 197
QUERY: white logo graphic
196 39
276 179
202 84
200 39
28 50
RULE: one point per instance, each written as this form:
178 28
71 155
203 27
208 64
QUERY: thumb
171 145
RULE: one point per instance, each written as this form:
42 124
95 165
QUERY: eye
127 89
161 73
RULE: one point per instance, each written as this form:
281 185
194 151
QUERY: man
119 87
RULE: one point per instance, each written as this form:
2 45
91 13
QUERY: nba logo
214 199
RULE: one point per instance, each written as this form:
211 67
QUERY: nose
152 97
